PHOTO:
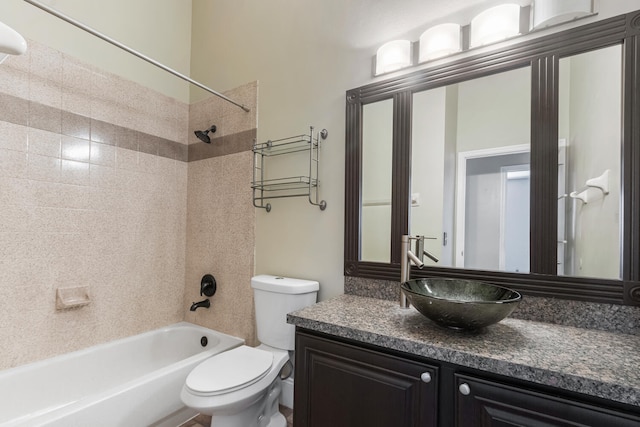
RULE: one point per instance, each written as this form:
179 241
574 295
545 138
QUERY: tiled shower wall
93 192
220 214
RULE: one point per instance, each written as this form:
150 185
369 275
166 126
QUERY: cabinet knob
425 377
464 389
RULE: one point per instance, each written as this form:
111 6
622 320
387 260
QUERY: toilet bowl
235 387
241 387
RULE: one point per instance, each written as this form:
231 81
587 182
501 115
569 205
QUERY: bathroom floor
205 421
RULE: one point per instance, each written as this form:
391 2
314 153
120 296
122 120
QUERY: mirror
481 155
589 128
470 172
377 134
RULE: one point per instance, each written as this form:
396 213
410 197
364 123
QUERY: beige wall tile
102 154
73 172
46 92
43 168
46 62
13 137
77 212
13 164
75 149
76 103
130 224
220 241
44 143
77 77
14 81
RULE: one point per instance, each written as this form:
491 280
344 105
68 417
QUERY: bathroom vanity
365 361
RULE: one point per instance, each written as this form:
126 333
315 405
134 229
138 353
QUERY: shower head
203 135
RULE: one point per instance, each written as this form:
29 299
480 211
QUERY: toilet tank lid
284 285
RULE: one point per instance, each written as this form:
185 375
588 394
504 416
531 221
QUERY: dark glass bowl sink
461 304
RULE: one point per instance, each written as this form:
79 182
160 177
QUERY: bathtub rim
56 413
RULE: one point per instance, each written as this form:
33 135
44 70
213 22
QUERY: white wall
160 30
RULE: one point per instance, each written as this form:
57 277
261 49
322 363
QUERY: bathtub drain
204 341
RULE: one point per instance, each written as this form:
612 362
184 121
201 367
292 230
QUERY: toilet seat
229 371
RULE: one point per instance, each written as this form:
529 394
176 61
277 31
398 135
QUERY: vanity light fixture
392 56
11 43
439 41
495 24
546 13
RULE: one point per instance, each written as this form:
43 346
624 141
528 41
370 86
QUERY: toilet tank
274 297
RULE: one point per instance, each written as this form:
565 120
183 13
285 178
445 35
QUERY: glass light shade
392 56
495 24
11 42
439 41
553 12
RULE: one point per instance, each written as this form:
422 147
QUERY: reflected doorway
492 218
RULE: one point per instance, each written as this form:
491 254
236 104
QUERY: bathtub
132 382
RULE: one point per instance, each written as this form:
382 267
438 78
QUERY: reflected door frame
509 176
461 190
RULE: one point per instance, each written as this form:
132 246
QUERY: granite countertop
597 363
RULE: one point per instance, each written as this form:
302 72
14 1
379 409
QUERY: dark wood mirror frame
542 55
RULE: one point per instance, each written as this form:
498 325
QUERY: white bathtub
130 382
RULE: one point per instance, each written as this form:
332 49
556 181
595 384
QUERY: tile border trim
39 116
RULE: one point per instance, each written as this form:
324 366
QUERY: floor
205 421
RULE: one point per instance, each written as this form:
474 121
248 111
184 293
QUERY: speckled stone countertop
597 363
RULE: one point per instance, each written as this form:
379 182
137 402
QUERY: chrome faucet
408 258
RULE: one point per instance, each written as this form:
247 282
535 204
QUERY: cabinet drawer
487 403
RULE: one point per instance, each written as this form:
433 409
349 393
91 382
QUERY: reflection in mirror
589 148
377 143
470 172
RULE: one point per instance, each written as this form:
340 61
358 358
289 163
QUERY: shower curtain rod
131 51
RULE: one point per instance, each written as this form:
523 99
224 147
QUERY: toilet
241 387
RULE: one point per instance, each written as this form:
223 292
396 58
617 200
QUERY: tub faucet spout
204 303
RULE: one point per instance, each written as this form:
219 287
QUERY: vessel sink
461 304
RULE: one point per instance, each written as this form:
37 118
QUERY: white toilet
241 387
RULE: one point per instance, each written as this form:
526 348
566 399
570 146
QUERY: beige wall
303 57
93 192
306 54
160 30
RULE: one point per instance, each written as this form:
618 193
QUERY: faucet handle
208 285
419 247
421 252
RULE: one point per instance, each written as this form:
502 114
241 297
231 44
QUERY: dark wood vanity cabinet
484 403
345 384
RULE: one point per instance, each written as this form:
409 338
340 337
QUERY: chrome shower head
203 135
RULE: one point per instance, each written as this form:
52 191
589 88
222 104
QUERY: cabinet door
486 403
340 385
